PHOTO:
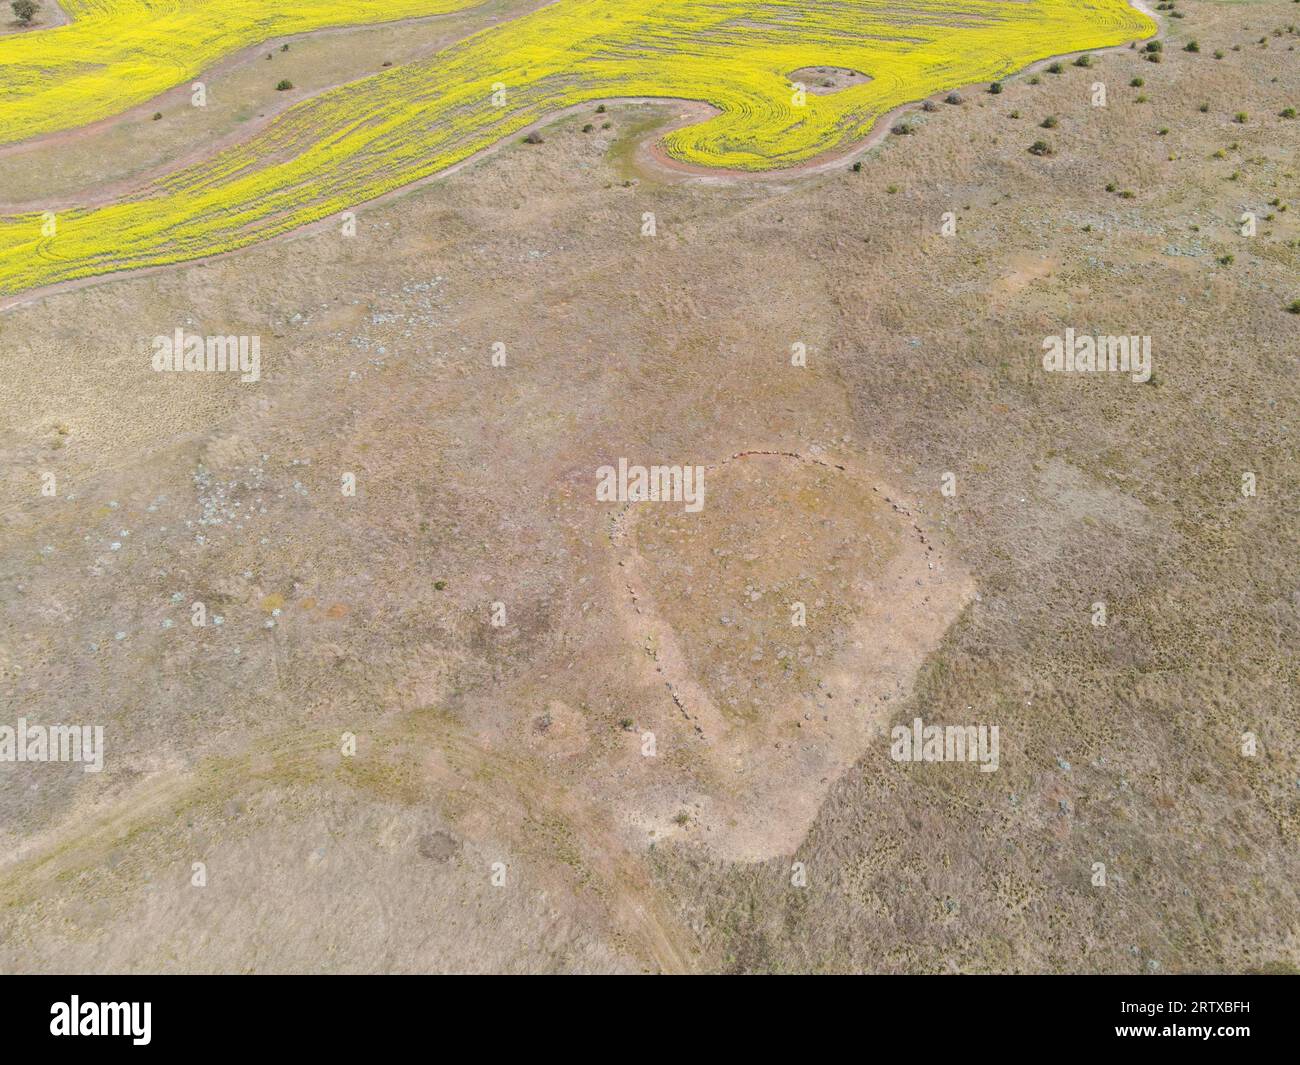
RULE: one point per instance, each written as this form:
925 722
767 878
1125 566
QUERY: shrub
1205 108
1154 46
1049 122
929 105
953 98
1294 306
1137 83
1240 118
533 138
283 85
588 128
1286 112
24 11
995 88
1083 61
902 129
1040 148
1191 46
1055 68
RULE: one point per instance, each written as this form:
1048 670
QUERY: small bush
1083 61
1040 148
157 115
284 85
533 138
24 11
995 88
1205 108
1240 118
588 128
1293 307
1055 68
1191 46
1049 122
1286 112
1137 83
953 98
902 129
929 105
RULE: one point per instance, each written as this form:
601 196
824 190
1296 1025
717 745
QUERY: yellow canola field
119 53
364 139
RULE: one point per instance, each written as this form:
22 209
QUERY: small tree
25 10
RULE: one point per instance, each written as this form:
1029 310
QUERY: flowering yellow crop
358 141
118 53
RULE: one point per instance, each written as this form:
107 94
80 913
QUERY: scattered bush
902 129
1040 148
995 88
1286 112
953 98
1055 68
1083 61
1137 83
533 138
24 11
1191 46
1240 118
283 85
1049 122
